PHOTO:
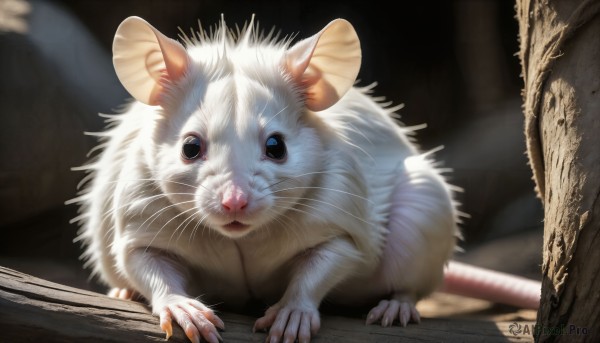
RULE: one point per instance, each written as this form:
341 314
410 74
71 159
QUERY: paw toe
388 311
196 320
289 324
123 293
377 312
165 323
390 314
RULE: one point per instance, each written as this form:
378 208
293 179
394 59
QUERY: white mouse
250 168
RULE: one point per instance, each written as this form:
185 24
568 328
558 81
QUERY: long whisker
79 198
298 210
186 221
165 224
195 229
288 225
276 183
106 214
316 209
195 214
81 195
280 216
201 221
324 203
295 209
293 178
153 197
322 188
159 212
352 127
276 114
150 180
165 194
178 226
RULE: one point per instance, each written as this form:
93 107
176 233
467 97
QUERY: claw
404 315
415 315
165 323
216 321
377 312
197 321
192 333
215 338
370 319
219 323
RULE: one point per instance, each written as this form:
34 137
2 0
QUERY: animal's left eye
275 147
192 148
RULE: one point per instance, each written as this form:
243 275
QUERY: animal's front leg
161 279
296 315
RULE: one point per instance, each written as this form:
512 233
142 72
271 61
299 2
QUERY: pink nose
234 200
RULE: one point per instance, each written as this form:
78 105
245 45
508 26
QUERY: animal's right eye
275 148
191 148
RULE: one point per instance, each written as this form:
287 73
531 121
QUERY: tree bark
560 58
35 310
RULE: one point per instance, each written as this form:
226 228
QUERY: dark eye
275 147
192 147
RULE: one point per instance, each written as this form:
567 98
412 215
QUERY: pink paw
289 323
195 319
388 311
124 293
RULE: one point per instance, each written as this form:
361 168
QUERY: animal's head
234 139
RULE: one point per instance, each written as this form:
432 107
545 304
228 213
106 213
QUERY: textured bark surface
35 310
560 56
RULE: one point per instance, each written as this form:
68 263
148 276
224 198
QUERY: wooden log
560 57
35 310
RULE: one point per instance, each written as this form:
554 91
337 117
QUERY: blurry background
451 63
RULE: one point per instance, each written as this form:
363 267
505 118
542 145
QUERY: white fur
354 195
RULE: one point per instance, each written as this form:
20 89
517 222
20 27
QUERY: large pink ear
326 64
145 59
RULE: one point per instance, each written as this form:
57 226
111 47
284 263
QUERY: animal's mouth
236 226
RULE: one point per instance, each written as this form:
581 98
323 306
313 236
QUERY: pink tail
475 282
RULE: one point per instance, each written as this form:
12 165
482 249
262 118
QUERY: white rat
252 169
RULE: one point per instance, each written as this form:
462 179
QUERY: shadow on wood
33 309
